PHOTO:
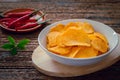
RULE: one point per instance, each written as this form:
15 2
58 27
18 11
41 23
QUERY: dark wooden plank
33 74
21 60
43 5
64 5
67 1
21 74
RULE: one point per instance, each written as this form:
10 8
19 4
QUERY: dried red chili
23 18
17 14
30 25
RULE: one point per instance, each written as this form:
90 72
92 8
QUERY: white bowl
110 34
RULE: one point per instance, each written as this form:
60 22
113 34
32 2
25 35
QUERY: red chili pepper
26 26
25 22
30 20
21 19
17 14
5 23
30 25
7 19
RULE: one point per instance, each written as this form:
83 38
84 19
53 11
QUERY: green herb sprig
13 47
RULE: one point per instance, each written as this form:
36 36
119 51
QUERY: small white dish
110 34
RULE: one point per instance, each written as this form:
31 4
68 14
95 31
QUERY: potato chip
87 27
73 24
86 52
99 45
101 36
60 50
59 41
58 28
73 51
91 36
74 37
80 24
52 41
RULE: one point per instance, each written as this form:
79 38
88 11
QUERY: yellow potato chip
80 24
73 52
73 24
91 36
52 38
60 50
101 36
99 45
87 27
59 41
86 52
74 37
70 24
58 28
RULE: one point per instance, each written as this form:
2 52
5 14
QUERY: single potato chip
58 28
101 36
91 36
73 24
80 24
87 27
70 24
99 45
86 52
59 50
74 37
52 38
73 52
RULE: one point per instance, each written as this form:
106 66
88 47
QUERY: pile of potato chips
76 40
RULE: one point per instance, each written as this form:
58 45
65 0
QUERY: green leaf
13 46
13 51
8 46
22 43
12 41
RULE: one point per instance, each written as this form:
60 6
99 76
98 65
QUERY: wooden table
20 67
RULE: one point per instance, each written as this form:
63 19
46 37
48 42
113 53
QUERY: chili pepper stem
34 12
42 15
41 22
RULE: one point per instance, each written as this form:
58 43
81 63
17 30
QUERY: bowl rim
49 52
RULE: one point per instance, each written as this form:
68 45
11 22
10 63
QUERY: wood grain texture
20 66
